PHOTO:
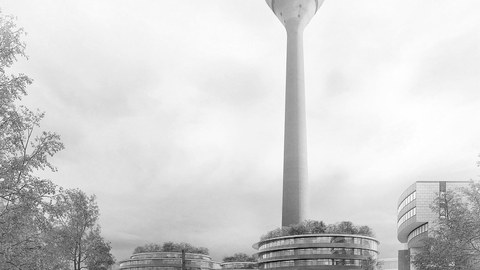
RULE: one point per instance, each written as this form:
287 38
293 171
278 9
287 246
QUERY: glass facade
316 262
279 264
239 265
167 261
153 268
318 251
337 251
367 243
417 231
283 242
407 216
169 255
410 198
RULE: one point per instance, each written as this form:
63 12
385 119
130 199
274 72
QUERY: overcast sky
172 111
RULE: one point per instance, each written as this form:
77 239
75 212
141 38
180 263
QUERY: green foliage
74 219
454 241
239 257
371 264
151 247
170 247
98 251
41 226
318 227
347 227
24 198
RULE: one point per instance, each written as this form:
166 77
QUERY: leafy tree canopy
239 257
41 225
453 242
75 222
319 227
24 149
170 246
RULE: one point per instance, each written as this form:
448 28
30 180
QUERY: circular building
239 265
168 261
316 251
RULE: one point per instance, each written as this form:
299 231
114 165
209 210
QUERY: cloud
172 112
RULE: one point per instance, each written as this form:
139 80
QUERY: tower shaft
295 170
295 15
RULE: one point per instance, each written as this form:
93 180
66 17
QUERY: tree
170 247
316 227
345 227
151 247
239 257
178 247
371 264
75 222
454 240
23 151
98 252
365 230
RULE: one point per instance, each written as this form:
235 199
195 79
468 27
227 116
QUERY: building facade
316 251
168 261
239 265
414 215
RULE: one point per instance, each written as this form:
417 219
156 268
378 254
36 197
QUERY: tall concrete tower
295 15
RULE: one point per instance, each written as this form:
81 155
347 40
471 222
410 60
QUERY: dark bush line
318 227
170 247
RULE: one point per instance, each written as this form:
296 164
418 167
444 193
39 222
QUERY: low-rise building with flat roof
316 251
168 261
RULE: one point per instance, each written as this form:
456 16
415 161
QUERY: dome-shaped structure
295 11
271 3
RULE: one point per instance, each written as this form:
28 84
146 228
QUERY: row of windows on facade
323 251
321 239
168 261
410 198
156 268
417 231
239 265
407 216
346 262
169 255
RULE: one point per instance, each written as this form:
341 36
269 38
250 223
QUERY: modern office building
316 251
168 261
239 265
414 215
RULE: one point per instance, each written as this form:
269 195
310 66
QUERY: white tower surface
295 15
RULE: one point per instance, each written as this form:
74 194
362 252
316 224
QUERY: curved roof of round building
257 245
164 260
316 251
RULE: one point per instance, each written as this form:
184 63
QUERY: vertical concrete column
295 15
404 259
295 169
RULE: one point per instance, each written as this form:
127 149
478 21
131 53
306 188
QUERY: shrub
172 247
319 227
